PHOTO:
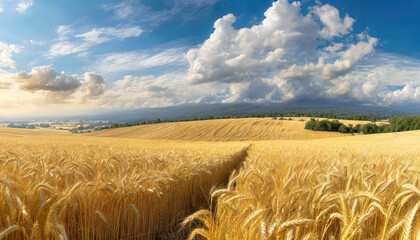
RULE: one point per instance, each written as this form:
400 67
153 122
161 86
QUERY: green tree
343 129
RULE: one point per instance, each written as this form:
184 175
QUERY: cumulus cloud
46 78
137 60
334 24
234 55
409 94
81 42
23 5
392 80
50 86
95 84
264 62
280 59
343 63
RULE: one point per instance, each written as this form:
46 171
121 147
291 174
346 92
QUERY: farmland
361 187
78 187
222 179
221 130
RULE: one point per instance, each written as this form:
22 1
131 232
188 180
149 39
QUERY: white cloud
63 48
63 31
137 60
1 10
121 10
142 11
334 48
157 91
285 57
37 43
370 83
281 59
334 25
82 42
348 58
23 5
409 94
6 53
101 35
235 55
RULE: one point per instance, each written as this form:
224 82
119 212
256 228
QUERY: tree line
396 124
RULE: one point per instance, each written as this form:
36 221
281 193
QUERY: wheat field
357 187
292 184
76 187
247 129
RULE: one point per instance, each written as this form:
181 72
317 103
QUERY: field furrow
91 188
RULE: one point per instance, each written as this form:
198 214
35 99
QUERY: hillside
220 130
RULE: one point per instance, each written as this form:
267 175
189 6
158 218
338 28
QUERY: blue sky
67 57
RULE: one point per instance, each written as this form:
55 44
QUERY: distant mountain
241 109
230 109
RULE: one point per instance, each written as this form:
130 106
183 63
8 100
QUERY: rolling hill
247 129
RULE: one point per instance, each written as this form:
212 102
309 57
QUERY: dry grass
361 187
247 129
90 188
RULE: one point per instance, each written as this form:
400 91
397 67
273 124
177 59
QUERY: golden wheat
54 185
356 187
248 129
78 187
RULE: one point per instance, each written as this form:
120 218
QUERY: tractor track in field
175 232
